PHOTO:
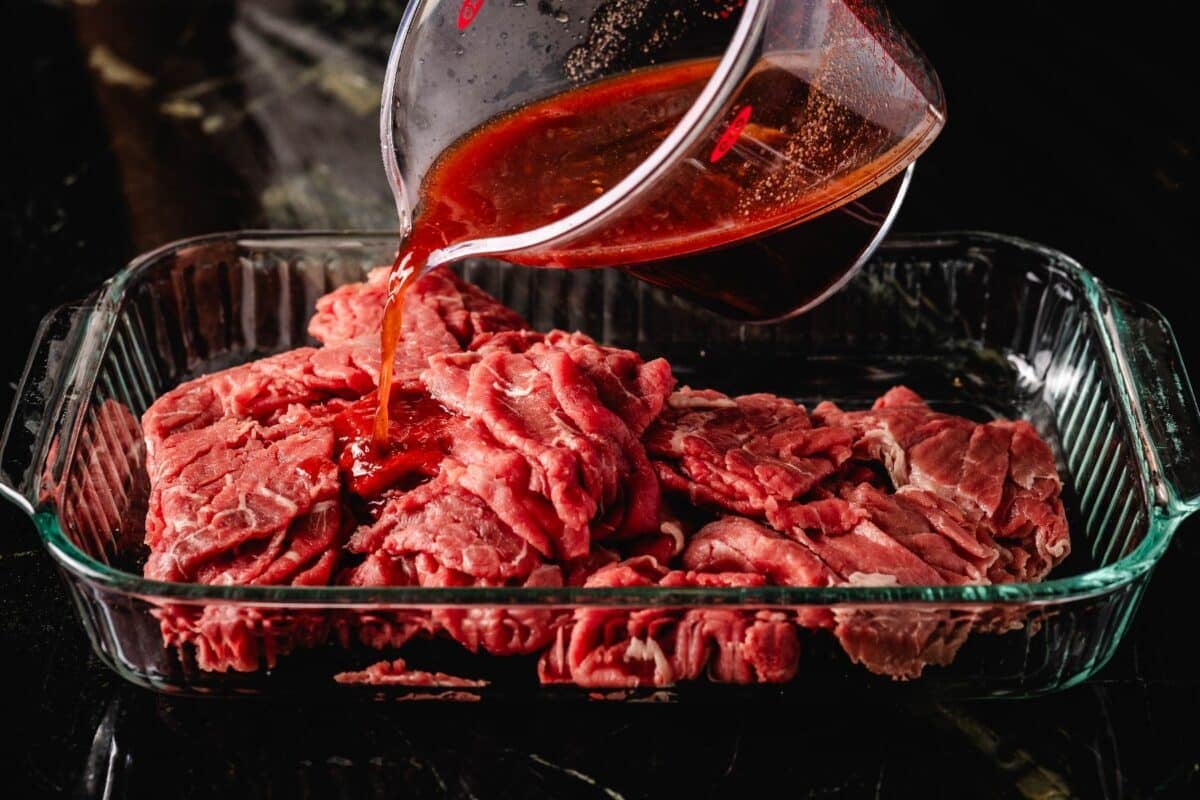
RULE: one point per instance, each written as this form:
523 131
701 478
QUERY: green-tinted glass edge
1163 519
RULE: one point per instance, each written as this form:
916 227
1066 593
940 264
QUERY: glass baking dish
979 324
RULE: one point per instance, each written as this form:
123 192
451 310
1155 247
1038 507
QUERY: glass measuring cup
757 181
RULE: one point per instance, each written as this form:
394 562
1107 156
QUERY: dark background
129 124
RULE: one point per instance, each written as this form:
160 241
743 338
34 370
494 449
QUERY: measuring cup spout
646 134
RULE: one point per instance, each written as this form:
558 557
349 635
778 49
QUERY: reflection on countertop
253 748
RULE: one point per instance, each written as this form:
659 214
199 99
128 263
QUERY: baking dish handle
1163 399
39 402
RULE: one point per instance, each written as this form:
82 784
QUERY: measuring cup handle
1162 396
28 434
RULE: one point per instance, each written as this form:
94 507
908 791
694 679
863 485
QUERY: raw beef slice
738 454
240 501
998 478
454 527
737 544
620 648
900 643
545 456
556 424
439 301
548 464
245 488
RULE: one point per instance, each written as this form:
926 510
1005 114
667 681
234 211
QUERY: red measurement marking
467 13
730 136
727 9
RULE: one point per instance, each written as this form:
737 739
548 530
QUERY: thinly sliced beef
227 637
620 397
577 570
1033 539
453 526
635 390
505 631
381 629
496 630
352 311
867 556
467 312
515 401
304 554
527 460
932 529
439 302
442 314
897 422
739 454
897 643
509 485
667 542
242 484
660 647
1031 516
442 535
991 487
740 545
736 544
900 643
259 389
245 488
762 647
398 673
984 468
579 454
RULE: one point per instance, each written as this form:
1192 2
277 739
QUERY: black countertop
130 124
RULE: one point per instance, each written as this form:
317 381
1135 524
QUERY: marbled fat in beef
545 460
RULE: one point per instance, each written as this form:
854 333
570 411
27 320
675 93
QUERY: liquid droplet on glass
518 3
458 51
563 17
